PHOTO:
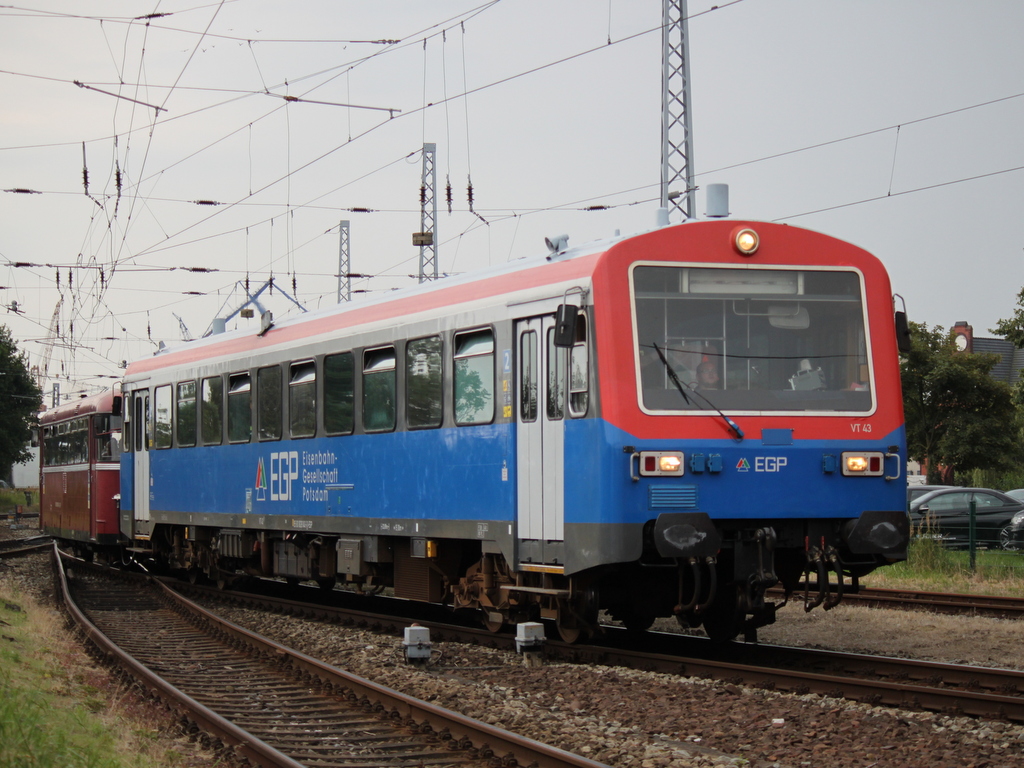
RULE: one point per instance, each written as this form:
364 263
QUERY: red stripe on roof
494 285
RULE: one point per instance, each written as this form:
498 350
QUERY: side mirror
902 332
565 325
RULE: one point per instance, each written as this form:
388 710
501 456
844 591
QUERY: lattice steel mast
344 265
426 238
676 134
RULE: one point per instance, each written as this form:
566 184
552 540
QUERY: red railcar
79 482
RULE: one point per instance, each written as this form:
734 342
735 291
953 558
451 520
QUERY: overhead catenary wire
292 207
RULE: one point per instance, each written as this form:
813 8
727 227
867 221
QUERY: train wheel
492 625
194 575
327 583
724 619
576 620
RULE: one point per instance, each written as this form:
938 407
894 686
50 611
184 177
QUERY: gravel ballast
649 720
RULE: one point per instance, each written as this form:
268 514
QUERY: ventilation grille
672 497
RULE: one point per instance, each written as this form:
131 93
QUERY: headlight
863 464
1017 519
746 242
668 463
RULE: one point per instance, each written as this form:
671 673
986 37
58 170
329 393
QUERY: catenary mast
676 134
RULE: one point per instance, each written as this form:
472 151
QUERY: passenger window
339 393
474 377
302 399
268 398
211 410
528 376
107 440
162 402
239 408
185 414
556 379
579 370
423 385
379 389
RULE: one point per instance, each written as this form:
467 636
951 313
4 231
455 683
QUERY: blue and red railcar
660 425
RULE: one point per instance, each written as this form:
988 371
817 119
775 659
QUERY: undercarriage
699 573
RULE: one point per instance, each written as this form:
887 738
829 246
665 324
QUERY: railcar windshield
751 339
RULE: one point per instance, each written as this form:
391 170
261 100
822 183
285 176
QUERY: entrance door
142 426
540 379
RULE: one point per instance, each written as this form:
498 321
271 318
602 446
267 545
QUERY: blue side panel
450 474
754 478
127 483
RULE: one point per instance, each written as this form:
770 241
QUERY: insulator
85 179
58 278
469 195
102 278
71 278
294 289
423 194
448 194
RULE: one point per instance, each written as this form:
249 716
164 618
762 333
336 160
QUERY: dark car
1017 493
917 491
1016 532
944 514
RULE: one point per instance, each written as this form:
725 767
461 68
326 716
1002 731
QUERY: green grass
39 727
931 567
57 709
11 498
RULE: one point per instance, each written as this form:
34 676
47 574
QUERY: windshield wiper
686 392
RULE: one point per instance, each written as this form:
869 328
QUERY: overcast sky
894 125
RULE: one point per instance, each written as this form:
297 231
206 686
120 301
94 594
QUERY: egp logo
763 464
284 470
770 463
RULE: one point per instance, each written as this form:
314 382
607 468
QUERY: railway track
271 705
878 680
18 547
994 606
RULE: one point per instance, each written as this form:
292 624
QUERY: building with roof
1011 359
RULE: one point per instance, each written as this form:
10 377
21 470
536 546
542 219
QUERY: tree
958 417
20 400
1013 329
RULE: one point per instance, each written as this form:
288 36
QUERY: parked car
1016 532
1017 493
917 491
945 514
